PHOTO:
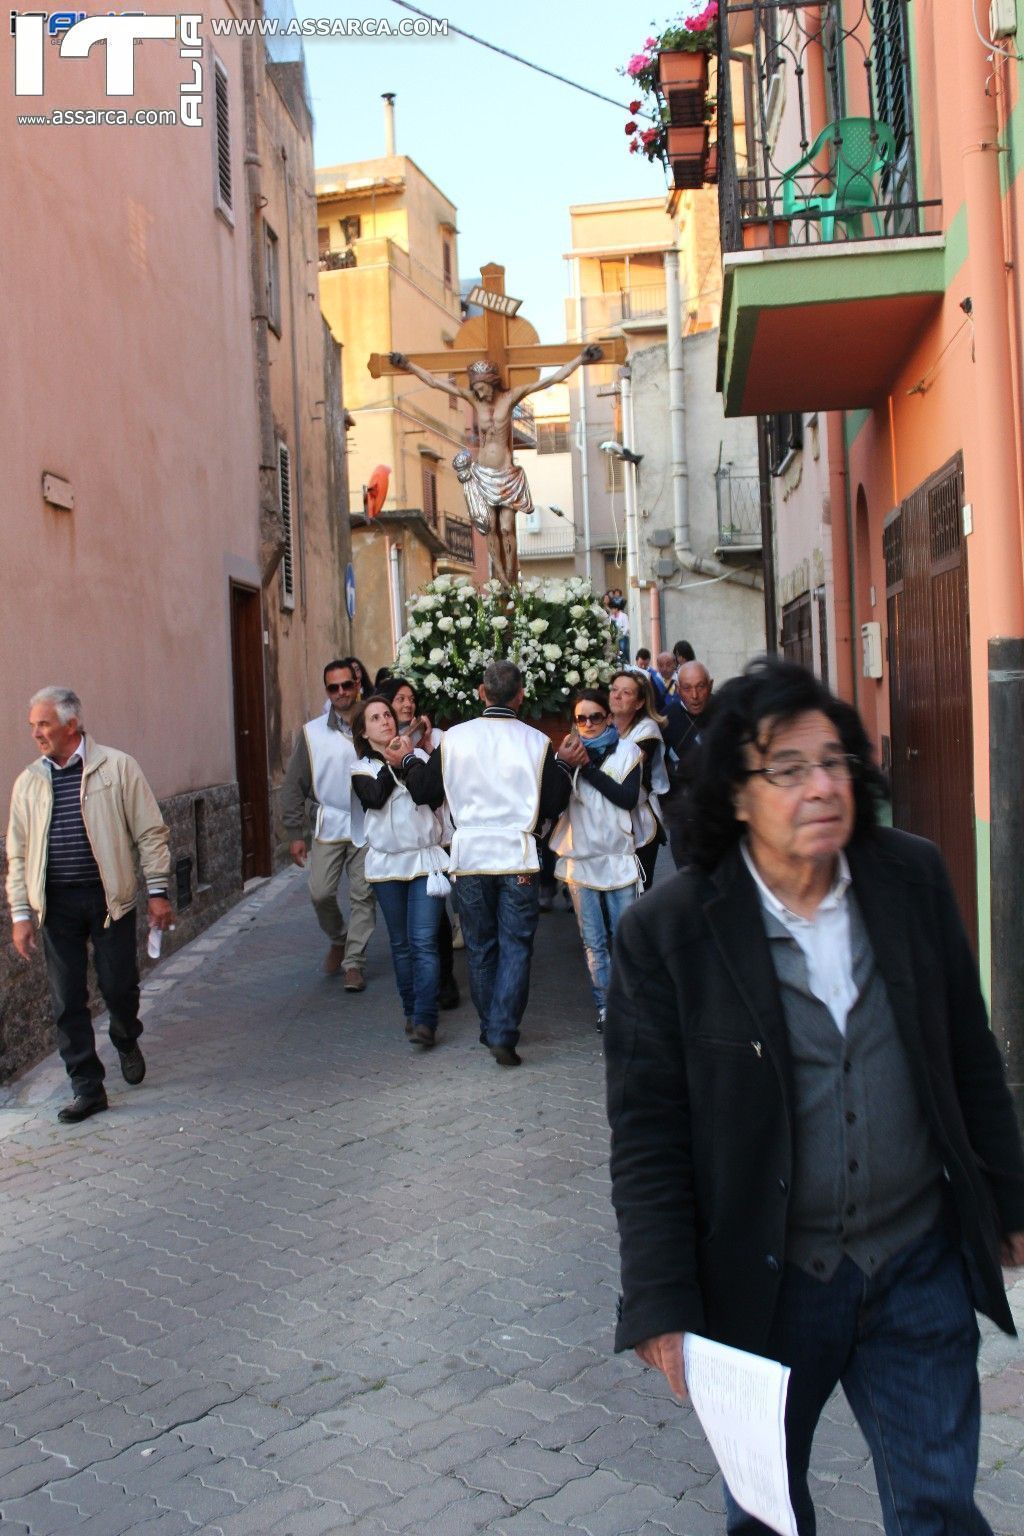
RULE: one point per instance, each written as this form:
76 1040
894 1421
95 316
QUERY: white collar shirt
824 939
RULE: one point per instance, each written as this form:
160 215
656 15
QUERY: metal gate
930 676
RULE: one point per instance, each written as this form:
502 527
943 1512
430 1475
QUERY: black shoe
81 1109
506 1056
133 1065
409 1027
421 1035
448 994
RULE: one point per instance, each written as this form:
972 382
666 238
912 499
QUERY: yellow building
389 282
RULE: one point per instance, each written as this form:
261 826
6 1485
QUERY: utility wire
518 59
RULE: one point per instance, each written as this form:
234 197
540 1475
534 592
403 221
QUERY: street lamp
617 451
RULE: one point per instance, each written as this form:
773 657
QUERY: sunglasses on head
339 687
589 719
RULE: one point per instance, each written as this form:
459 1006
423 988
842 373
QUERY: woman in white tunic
594 838
418 731
404 860
635 713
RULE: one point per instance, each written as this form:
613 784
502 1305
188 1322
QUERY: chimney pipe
389 122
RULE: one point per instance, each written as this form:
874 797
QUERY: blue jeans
904 1344
499 915
412 918
598 913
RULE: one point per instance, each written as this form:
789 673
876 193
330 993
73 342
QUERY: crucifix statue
502 358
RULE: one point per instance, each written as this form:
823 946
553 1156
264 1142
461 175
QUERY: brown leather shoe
354 980
332 962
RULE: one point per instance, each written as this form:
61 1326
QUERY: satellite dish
375 493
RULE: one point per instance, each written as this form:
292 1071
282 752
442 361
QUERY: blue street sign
350 591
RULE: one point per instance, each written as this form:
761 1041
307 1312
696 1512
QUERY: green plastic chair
859 149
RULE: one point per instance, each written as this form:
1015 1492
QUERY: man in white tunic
321 771
500 780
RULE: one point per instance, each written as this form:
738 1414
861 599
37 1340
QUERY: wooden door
930 676
250 729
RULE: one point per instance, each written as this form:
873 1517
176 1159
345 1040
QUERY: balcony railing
335 261
547 543
638 303
827 119
458 535
739 510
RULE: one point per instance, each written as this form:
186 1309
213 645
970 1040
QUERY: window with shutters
446 259
785 437
797 644
351 228
553 436
273 277
222 142
429 492
284 501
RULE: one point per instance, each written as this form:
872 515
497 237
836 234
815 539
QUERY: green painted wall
982 840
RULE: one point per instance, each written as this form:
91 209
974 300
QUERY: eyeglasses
340 687
840 769
589 719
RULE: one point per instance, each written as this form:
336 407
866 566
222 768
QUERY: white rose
582 643
538 626
446 622
423 604
591 674
463 623
552 652
441 583
498 622
436 655
577 610
556 593
572 677
432 682
422 631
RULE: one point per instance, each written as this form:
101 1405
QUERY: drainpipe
297 486
655 619
584 447
701 565
629 481
389 122
842 567
394 592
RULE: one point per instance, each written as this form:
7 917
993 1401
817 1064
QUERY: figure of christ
494 486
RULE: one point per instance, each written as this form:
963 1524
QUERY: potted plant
672 72
759 235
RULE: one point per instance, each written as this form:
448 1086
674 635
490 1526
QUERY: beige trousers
327 863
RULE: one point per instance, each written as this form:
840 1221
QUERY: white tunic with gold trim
594 838
331 756
492 771
403 839
647 816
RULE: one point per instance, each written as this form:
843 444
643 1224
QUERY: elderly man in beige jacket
79 817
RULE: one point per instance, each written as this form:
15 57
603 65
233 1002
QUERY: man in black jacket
814 1152
688 717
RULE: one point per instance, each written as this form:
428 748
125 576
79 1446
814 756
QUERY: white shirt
824 940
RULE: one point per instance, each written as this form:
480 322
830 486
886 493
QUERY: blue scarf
599 747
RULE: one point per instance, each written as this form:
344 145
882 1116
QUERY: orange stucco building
872 220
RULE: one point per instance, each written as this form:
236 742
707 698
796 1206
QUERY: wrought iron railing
739 509
546 542
458 535
336 261
524 426
818 93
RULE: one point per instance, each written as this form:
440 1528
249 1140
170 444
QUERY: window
797 644
222 128
446 262
272 275
785 437
429 492
891 75
284 502
351 228
323 240
614 479
553 436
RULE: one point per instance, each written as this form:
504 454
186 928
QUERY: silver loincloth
487 489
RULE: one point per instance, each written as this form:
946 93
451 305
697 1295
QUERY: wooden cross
509 342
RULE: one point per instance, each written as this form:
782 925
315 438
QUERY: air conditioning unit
1002 19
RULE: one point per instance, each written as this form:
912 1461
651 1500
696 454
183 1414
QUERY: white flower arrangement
541 625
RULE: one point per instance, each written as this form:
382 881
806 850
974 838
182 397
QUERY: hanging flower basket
684 82
711 165
687 153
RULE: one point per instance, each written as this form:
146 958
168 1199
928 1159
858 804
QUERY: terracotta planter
757 236
684 83
688 143
681 70
711 165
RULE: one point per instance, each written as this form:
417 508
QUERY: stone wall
206 857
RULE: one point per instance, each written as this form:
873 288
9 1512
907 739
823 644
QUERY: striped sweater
69 858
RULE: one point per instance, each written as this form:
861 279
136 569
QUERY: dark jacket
700 1093
684 737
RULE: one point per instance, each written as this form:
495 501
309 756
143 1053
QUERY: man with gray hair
79 817
501 782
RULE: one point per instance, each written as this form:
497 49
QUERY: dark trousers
648 857
499 915
904 1345
445 946
76 915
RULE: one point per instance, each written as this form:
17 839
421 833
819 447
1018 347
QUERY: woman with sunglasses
404 863
636 717
594 838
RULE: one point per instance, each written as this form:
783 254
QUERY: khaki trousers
327 863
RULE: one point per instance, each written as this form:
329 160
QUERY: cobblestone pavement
305 1280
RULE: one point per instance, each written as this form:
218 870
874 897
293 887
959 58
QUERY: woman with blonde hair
636 718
